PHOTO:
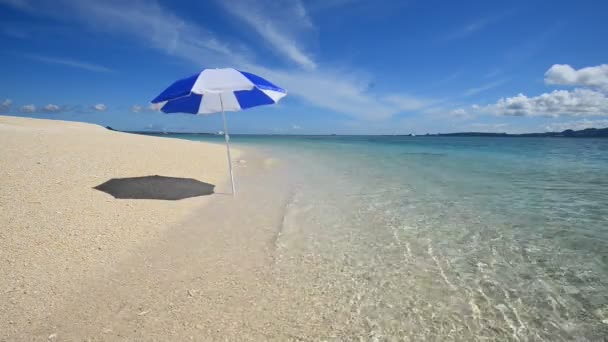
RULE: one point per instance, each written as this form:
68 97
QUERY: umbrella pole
227 137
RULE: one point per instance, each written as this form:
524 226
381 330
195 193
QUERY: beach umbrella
218 90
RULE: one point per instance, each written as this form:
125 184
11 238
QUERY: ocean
442 238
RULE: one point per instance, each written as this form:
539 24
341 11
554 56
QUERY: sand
75 262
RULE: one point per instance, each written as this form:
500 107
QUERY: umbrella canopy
219 90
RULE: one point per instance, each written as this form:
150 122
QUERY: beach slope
56 229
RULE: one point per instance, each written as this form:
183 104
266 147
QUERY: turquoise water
445 238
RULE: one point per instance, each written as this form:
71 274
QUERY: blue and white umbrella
219 90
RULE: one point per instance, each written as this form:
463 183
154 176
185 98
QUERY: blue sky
350 66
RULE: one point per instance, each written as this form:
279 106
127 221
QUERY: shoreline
58 230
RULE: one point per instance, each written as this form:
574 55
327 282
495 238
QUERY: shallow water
443 238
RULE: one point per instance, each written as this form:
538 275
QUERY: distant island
163 132
583 133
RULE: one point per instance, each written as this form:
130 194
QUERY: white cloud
30 108
100 107
472 27
155 107
576 125
592 77
69 62
152 25
482 88
51 108
287 47
146 22
341 92
460 113
278 23
579 102
296 127
406 103
5 106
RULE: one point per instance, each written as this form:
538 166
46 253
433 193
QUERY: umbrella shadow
156 187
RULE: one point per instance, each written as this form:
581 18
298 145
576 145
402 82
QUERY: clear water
444 238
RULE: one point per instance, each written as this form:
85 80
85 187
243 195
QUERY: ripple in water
464 250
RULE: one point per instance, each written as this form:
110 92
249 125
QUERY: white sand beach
59 235
77 264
